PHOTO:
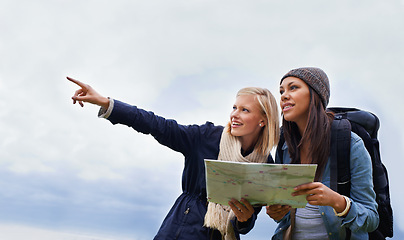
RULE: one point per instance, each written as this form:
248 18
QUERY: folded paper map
259 183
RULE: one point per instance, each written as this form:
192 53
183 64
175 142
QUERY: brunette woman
306 126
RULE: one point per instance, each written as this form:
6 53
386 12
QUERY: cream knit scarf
217 215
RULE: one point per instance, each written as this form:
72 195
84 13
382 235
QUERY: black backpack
365 125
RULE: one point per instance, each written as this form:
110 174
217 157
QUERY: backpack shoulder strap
279 151
340 171
340 174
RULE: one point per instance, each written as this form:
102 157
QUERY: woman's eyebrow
290 83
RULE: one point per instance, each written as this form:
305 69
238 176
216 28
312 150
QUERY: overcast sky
65 174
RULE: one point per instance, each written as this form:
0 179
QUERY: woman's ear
262 124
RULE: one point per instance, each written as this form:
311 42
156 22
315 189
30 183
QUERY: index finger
76 82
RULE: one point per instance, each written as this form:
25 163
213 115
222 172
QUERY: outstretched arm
87 94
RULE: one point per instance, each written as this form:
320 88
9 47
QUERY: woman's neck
246 148
304 153
247 145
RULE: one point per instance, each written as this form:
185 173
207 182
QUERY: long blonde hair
269 135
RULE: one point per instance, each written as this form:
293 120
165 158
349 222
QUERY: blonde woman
251 133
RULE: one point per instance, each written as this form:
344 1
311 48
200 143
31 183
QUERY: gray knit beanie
315 78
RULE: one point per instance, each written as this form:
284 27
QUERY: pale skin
87 94
294 104
242 209
246 120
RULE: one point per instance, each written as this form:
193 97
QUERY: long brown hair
317 135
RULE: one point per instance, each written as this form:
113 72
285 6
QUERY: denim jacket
362 216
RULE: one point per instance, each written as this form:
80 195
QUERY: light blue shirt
362 216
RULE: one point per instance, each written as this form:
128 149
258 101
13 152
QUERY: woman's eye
293 87
245 110
234 107
281 92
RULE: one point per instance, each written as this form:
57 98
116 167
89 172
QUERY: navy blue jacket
196 143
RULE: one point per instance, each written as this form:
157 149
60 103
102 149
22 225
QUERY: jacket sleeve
363 212
166 131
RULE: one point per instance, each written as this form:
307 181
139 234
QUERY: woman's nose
234 113
284 95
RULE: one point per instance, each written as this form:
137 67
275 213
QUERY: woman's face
246 118
295 100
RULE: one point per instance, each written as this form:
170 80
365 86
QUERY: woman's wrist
104 102
342 209
339 203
